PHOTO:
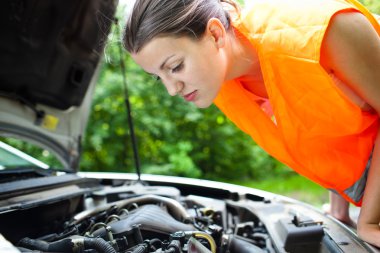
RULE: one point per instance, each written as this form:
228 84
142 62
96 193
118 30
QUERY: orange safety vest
316 130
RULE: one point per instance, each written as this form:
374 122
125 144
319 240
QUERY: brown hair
151 18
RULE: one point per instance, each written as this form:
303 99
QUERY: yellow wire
208 238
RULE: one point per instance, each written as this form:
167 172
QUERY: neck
244 60
245 65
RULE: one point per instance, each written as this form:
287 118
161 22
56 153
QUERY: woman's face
192 69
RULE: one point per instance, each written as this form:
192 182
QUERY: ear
216 30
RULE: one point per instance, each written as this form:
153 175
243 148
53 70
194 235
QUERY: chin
202 104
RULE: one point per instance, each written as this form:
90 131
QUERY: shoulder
348 34
351 50
351 25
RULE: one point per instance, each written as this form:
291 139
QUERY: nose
174 87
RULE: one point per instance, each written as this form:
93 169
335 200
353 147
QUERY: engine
91 213
139 223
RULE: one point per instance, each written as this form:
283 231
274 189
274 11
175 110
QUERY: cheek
214 76
205 72
216 68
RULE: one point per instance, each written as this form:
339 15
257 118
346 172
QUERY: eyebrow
163 64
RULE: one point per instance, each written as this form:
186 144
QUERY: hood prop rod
129 108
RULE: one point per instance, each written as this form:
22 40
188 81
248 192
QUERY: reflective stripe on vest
356 191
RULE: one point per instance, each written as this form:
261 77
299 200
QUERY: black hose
98 244
140 249
173 247
33 244
68 245
155 244
64 245
21 249
240 246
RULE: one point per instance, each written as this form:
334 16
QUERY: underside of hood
50 54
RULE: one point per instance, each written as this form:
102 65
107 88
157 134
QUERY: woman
300 77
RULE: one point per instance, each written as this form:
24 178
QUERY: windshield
11 157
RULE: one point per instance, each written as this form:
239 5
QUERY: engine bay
136 217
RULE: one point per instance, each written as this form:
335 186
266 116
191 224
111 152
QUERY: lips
190 96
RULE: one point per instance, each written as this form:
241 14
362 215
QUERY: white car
50 53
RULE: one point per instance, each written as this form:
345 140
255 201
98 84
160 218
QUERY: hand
369 233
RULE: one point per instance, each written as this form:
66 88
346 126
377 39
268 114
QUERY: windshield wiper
26 172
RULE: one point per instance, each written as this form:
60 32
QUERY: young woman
300 77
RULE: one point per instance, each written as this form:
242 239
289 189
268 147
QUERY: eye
177 68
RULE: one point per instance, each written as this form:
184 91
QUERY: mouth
190 96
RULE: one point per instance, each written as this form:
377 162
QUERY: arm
351 51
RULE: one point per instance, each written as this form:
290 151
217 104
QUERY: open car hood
50 54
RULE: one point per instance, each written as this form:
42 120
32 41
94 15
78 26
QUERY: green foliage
34 150
372 5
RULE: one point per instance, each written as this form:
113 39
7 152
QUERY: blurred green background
175 138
